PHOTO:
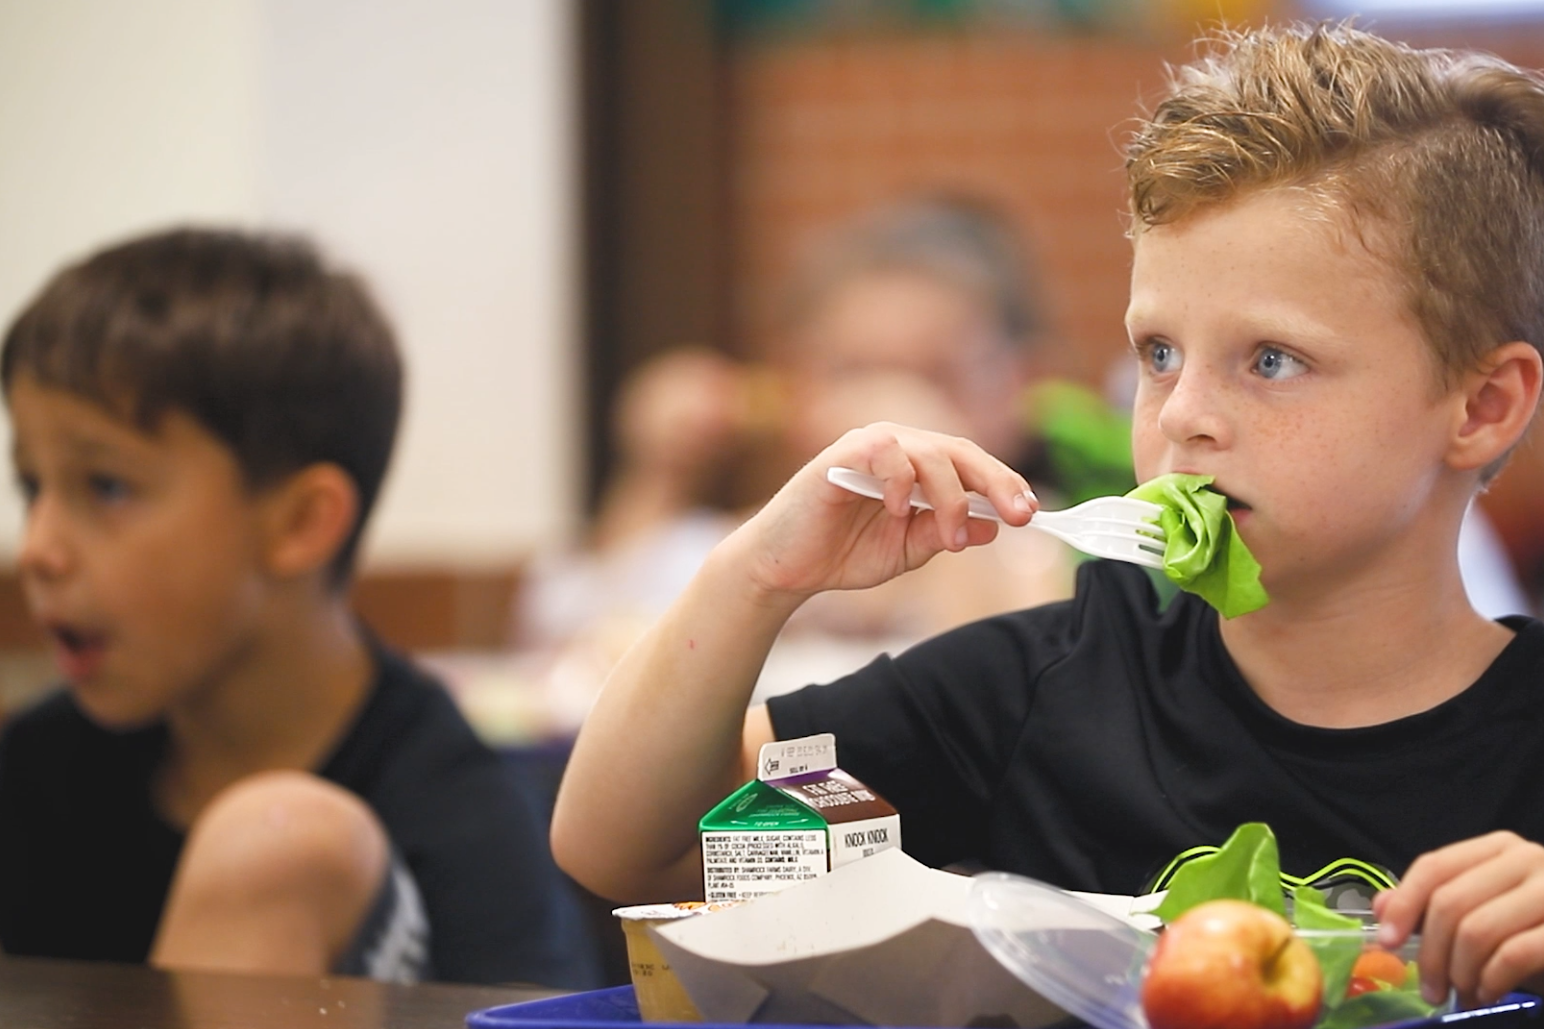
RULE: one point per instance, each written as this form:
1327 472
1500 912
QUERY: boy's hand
815 536
1480 906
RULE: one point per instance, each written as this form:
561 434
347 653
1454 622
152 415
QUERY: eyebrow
91 448
80 448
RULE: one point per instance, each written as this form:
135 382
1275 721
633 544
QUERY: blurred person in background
677 420
238 775
926 312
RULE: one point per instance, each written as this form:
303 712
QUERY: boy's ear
1499 400
309 517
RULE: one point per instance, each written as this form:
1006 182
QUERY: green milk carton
799 818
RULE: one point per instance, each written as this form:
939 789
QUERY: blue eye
1274 364
108 489
1165 357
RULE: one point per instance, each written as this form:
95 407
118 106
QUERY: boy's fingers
1008 491
892 465
1012 497
981 531
969 467
944 467
1534 983
1471 916
1517 956
1400 909
934 458
1448 890
907 457
881 455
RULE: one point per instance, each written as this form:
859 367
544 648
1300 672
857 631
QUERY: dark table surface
38 993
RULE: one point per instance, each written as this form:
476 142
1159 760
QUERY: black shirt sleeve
934 730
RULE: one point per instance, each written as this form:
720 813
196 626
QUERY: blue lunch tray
607 1009
597 1009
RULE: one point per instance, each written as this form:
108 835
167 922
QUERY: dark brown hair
286 361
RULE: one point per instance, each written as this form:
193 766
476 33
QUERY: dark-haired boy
238 777
1337 311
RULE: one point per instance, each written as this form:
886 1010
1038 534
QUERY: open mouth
79 651
1234 504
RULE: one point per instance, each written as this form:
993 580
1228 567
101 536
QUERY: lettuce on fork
1203 553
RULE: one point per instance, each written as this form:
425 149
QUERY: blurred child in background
239 776
926 312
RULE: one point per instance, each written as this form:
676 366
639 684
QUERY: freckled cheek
1305 457
1337 473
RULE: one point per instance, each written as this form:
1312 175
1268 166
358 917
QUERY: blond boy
1337 301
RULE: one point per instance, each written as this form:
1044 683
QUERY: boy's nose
45 551
1193 411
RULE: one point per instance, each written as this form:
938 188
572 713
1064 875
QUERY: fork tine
1146 528
1118 503
1133 538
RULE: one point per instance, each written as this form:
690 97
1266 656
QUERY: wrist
730 574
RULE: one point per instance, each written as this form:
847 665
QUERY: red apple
1229 964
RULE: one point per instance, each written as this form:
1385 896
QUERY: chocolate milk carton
799 818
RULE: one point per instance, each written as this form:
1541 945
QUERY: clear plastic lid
1084 960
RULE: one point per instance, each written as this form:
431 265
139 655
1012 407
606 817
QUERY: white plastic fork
1121 528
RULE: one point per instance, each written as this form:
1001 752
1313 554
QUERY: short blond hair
1438 154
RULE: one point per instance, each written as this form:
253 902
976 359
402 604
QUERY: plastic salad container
1091 963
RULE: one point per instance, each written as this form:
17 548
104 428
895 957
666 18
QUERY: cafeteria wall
428 145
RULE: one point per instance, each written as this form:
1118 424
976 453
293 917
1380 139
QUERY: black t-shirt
1088 743
85 861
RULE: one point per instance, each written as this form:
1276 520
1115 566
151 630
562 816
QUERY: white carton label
853 840
738 865
787 758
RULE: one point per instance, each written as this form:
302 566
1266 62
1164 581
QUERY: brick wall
824 128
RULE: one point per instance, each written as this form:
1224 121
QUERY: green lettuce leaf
1203 554
1337 954
1379 1007
1247 867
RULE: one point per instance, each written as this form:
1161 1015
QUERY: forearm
664 740
669 734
